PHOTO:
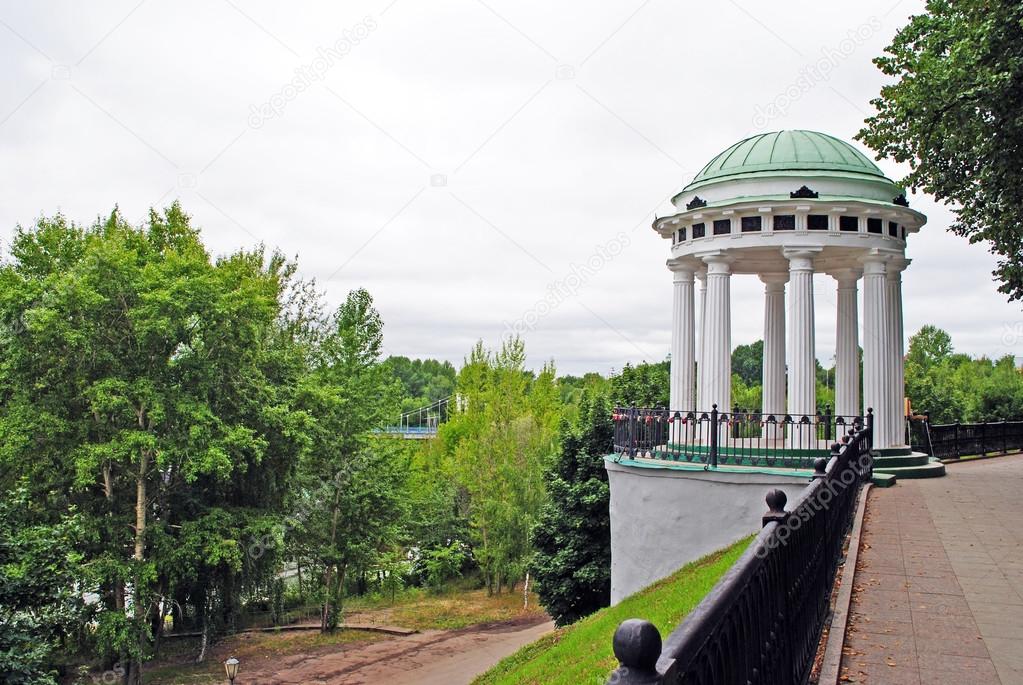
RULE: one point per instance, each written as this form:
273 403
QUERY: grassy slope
581 653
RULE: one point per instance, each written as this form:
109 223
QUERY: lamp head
231 667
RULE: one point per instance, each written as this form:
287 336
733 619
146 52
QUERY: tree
643 385
954 387
748 362
572 537
352 482
40 611
143 386
501 440
929 346
953 115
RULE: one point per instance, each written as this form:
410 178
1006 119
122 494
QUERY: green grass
581 653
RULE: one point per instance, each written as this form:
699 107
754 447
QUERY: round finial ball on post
637 645
776 501
820 467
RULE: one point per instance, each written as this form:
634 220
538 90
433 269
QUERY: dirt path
433 657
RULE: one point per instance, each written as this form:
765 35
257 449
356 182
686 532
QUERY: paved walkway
938 593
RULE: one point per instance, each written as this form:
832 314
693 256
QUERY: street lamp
231 666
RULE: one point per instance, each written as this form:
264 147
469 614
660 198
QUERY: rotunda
783 206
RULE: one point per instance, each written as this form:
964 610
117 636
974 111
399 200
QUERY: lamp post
231 667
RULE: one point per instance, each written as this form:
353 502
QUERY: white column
701 275
802 395
876 349
893 276
717 336
683 340
773 402
847 365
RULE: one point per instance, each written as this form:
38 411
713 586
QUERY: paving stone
941 605
946 555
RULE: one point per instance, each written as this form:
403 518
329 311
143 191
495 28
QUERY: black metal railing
715 438
762 622
955 440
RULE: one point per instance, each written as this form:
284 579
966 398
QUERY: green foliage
443 564
423 381
149 389
500 441
643 385
40 611
953 115
581 653
572 538
746 397
953 387
354 482
748 362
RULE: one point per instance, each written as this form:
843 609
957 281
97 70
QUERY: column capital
718 262
683 269
875 261
846 277
896 265
781 277
800 258
774 283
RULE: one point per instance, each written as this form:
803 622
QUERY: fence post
827 422
870 428
714 436
1004 442
637 646
776 501
983 438
820 464
630 431
927 433
956 440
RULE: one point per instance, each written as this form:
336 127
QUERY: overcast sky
457 157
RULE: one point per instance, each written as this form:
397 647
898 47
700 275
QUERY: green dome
787 151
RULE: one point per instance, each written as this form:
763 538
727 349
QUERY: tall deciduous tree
953 114
502 438
144 383
353 482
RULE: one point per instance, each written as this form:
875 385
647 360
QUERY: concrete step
932 469
882 480
895 451
914 459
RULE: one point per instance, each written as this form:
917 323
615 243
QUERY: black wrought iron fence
955 440
763 620
718 438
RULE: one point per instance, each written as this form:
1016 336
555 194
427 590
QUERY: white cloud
519 135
